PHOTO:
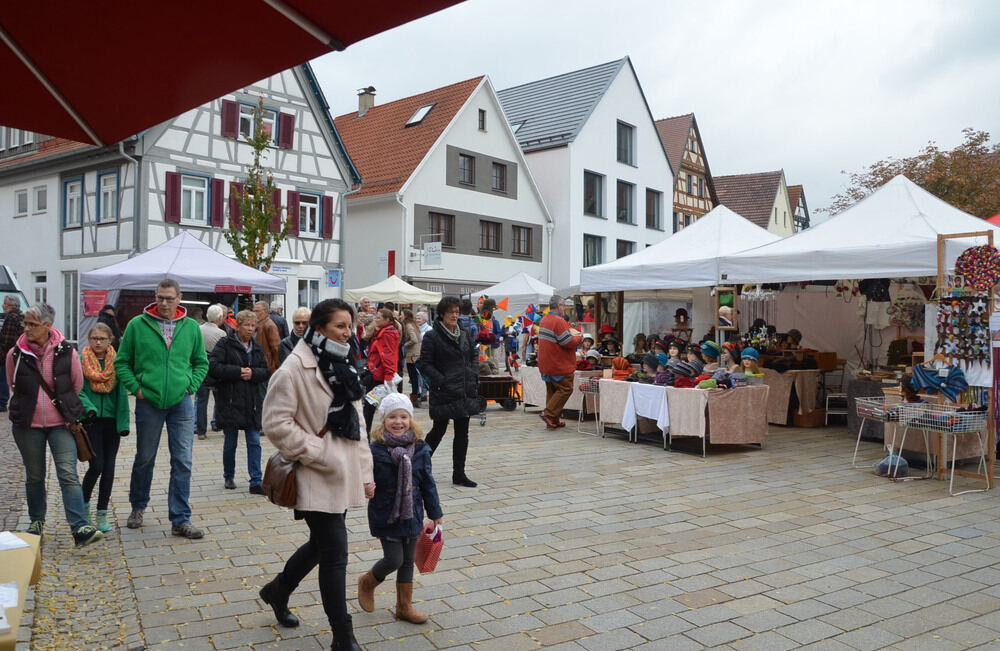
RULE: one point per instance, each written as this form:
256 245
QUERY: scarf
401 451
334 361
102 380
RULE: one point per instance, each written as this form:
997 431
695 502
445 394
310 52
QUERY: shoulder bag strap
45 387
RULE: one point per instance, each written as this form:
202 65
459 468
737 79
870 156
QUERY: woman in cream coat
312 415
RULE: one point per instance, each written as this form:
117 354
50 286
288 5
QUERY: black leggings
397 554
411 368
459 448
327 547
105 439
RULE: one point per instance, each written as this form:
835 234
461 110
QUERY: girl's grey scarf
401 450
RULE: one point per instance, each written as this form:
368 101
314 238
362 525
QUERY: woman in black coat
449 359
238 365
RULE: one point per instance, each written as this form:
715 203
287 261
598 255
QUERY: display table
22 566
722 416
613 398
533 389
874 430
804 382
646 400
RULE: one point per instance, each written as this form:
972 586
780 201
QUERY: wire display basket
941 418
879 408
591 385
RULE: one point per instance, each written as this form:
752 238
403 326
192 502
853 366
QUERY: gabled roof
385 150
554 110
49 148
750 195
794 194
674 136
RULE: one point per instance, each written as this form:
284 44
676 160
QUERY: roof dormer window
419 115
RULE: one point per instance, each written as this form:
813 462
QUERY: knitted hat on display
651 360
684 369
606 329
593 353
588 336
750 353
662 359
694 348
710 349
391 403
660 346
697 365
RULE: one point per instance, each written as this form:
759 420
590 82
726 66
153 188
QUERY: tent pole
598 317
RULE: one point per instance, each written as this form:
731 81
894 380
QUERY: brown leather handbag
279 479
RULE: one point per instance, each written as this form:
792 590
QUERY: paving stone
716 634
868 638
768 641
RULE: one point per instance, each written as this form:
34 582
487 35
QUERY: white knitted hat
391 403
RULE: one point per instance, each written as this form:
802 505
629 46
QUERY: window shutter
217 218
235 212
293 212
286 130
326 218
230 119
172 204
276 202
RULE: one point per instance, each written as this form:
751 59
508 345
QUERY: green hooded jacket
164 374
107 405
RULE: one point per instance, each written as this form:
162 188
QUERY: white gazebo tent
521 290
393 289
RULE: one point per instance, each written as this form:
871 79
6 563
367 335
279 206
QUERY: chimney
366 100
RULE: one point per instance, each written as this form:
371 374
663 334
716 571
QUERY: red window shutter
293 212
230 119
276 202
286 130
172 204
326 218
217 217
235 212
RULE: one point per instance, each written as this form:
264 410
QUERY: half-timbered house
694 191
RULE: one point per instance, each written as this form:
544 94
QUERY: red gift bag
429 546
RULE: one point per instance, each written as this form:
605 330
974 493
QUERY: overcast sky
813 87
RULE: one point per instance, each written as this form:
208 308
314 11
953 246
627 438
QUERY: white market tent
521 290
686 259
892 233
393 289
195 266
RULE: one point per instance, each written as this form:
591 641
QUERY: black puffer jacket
240 402
452 372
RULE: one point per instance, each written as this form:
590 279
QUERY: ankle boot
343 637
366 591
275 596
404 605
102 521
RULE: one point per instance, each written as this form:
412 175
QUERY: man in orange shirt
557 343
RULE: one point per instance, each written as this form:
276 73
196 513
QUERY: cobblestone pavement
11 477
569 542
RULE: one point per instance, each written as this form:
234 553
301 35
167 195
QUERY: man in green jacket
162 362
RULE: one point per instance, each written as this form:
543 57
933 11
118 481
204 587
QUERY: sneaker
549 424
134 519
230 484
102 521
257 490
202 436
187 530
36 527
86 534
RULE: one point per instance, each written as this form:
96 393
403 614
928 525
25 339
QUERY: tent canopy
891 233
195 266
393 289
521 289
688 258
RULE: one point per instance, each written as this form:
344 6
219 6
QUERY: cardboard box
815 418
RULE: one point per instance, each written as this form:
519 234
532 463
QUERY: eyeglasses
99 339
166 299
300 322
452 312
31 325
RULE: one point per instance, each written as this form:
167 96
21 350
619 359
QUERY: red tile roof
674 136
750 195
46 149
384 149
794 194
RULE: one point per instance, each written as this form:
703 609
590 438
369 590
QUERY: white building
67 208
442 166
592 145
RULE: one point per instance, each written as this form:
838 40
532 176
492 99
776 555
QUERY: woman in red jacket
383 357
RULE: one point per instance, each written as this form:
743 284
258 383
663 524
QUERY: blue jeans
149 423
232 435
201 409
31 442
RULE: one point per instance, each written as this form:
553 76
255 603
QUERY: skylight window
517 125
419 116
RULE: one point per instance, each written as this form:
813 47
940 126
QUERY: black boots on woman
277 598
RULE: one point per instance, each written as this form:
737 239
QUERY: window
71 304
14 139
489 236
41 198
269 119
72 203
309 214
693 145
785 214
701 188
522 240
27 137
107 199
677 221
593 250
40 281
499 177
654 202
593 194
624 248
419 115
466 169
776 215
625 205
443 226
3 138
482 120
626 143
21 202
689 184
688 220
517 126
308 293
194 199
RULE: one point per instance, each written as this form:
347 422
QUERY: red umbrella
101 72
